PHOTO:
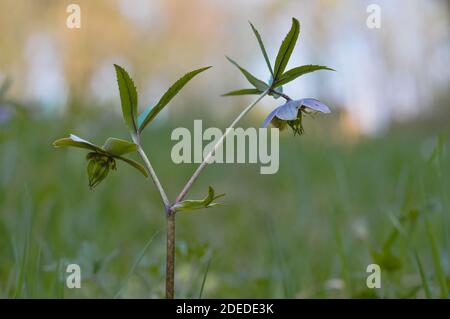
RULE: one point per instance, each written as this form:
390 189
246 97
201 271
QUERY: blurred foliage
308 231
384 75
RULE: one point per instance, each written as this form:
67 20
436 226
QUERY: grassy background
334 207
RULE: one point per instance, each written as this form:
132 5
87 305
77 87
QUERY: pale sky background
389 74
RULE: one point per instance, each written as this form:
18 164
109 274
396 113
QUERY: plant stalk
170 215
170 255
170 240
285 96
154 177
219 143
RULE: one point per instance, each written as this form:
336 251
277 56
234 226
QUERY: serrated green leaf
148 115
116 146
128 98
257 83
294 73
286 48
242 92
263 49
189 205
135 164
76 141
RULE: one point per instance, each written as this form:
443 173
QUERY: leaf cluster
278 76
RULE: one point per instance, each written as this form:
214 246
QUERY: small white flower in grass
291 113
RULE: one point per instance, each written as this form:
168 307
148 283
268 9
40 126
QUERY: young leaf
189 205
263 49
135 164
257 83
76 141
148 115
294 73
116 146
286 48
102 159
128 98
242 92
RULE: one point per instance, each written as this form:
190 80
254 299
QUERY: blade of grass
37 269
27 222
204 278
135 264
437 261
60 283
279 258
423 277
346 270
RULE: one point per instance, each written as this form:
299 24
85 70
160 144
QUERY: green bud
98 167
296 125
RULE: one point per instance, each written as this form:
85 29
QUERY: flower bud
98 167
296 125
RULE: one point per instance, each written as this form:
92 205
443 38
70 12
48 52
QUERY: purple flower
290 113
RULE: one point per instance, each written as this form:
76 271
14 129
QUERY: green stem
170 255
170 215
170 240
285 96
216 146
154 177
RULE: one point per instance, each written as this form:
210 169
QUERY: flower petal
270 117
288 111
315 105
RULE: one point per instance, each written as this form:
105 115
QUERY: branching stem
285 96
154 177
170 240
218 144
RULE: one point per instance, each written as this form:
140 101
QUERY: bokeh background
367 184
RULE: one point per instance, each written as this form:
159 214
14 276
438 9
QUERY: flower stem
285 96
170 240
216 146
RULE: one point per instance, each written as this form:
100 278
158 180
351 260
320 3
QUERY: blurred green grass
308 231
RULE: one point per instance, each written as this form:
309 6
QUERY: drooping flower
102 159
291 113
